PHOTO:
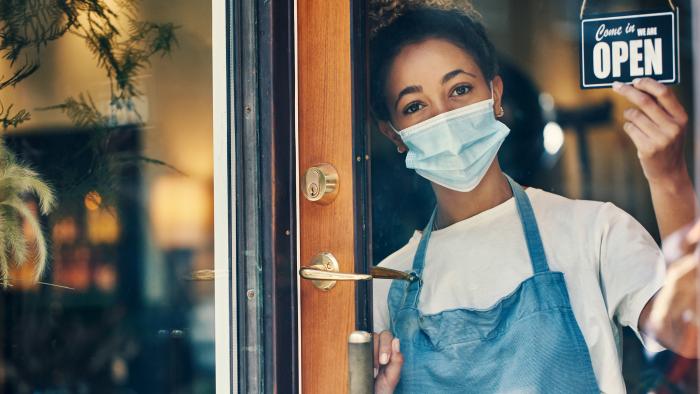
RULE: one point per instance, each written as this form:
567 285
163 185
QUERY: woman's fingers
385 339
656 137
649 105
389 373
375 343
664 95
392 371
642 142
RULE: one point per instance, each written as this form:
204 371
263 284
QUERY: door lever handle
314 273
388 273
324 271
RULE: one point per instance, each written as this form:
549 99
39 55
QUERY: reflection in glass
128 154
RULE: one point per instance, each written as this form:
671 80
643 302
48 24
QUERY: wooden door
325 136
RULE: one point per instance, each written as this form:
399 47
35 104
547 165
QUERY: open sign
621 48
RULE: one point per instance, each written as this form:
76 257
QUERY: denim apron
528 342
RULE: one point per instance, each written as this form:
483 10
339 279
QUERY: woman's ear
497 95
385 128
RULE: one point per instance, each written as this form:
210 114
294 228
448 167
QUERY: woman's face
431 77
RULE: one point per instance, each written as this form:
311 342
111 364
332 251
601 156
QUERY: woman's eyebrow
408 90
454 73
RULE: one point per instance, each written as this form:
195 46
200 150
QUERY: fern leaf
39 242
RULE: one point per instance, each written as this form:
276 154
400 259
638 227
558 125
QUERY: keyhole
313 190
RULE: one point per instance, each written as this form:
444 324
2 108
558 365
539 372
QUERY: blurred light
93 201
74 270
64 231
120 370
553 138
105 277
102 225
180 212
22 277
546 102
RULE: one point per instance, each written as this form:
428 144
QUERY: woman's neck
454 206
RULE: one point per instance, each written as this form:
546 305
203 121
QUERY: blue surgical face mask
455 149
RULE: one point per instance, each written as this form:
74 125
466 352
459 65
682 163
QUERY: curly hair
396 24
384 12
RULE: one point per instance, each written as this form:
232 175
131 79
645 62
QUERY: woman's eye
461 90
413 107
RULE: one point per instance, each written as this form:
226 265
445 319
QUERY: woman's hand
657 128
672 317
387 362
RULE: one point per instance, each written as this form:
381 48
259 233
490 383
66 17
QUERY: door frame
695 24
361 132
224 221
258 61
261 97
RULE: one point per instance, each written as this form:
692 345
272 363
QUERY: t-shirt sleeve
632 268
380 315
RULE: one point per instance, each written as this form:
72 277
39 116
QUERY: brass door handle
324 271
314 273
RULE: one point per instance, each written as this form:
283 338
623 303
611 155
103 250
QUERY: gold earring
501 112
398 149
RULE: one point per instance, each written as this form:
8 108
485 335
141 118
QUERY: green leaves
9 118
82 112
26 26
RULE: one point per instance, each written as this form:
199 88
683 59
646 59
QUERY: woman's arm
671 316
657 127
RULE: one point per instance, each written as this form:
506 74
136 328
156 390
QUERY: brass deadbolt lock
320 183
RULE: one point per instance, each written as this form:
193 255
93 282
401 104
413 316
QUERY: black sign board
622 47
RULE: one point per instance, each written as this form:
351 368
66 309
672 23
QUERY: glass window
564 143
118 97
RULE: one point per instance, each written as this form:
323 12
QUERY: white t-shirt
611 266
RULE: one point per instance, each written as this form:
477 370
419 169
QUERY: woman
514 290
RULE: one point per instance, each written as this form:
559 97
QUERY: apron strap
414 286
532 232
419 258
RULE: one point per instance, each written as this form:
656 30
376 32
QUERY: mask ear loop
394 128
398 149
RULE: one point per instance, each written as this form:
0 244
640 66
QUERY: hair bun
383 12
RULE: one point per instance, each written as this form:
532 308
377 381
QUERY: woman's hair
416 25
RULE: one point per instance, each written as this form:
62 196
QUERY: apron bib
528 342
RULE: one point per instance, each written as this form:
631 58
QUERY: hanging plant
28 26
16 182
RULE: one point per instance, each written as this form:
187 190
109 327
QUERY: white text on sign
644 57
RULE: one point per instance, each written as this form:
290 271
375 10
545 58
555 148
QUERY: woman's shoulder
557 201
402 258
552 205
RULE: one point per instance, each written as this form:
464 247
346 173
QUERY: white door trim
224 218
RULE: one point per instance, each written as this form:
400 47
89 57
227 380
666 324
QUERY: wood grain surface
325 135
